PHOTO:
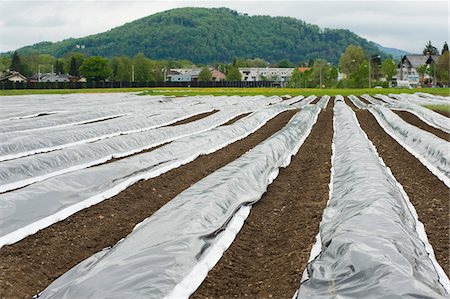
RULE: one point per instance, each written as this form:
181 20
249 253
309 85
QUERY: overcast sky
406 25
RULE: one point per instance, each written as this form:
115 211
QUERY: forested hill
205 35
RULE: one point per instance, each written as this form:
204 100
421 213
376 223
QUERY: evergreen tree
73 67
430 49
444 48
16 64
59 68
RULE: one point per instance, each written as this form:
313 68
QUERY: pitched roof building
12 76
407 68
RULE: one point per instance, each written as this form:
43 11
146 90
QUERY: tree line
353 64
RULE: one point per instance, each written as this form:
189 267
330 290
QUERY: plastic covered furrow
21 172
416 99
432 151
431 96
27 210
19 145
357 102
169 254
370 242
372 100
428 116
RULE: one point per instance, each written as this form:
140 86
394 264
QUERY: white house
407 68
266 74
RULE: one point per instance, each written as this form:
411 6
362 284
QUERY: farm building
189 75
266 74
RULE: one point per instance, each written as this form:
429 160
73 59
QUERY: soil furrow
427 193
192 118
415 121
270 253
28 266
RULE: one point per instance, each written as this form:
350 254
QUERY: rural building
266 74
218 75
189 75
12 77
49 77
407 68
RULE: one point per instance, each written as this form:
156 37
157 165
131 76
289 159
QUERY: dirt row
415 121
30 265
271 251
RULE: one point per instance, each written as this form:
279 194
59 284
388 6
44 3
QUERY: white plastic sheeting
416 99
357 102
371 243
427 95
27 210
323 102
428 116
432 151
15 145
21 172
169 254
372 100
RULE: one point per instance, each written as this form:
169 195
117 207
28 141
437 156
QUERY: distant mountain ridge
206 35
395 53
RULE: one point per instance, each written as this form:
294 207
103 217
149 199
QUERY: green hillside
205 35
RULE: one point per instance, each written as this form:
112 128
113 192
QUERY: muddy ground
271 251
30 265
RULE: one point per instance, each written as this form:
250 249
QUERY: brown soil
269 255
428 194
350 104
415 121
232 121
316 100
364 101
192 118
30 265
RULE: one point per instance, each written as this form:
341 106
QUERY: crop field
119 195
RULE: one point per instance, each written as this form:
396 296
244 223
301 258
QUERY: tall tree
430 49
444 48
389 69
234 74
16 63
351 59
95 68
443 68
320 72
141 68
205 75
73 70
59 67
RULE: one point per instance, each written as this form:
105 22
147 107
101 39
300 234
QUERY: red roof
303 69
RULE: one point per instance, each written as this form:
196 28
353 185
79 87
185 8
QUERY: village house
12 76
189 75
253 74
407 68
